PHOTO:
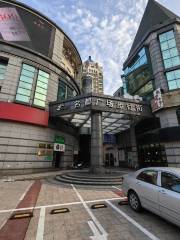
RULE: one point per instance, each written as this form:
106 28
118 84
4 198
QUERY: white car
157 189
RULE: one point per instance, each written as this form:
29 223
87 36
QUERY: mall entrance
100 114
57 156
151 152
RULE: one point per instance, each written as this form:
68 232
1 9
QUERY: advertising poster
24 28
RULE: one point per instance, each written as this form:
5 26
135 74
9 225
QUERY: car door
169 197
148 189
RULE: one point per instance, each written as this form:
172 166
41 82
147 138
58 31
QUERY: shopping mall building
46 122
38 64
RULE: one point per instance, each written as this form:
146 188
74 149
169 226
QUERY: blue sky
104 29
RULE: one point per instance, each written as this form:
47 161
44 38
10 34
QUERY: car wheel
134 201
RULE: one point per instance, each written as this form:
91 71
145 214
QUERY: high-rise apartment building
92 79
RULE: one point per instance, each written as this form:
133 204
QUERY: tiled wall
19 145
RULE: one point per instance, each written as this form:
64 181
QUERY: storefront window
169 50
173 78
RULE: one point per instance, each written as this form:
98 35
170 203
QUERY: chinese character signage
99 102
157 102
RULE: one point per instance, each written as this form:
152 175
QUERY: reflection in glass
169 50
3 66
25 83
41 88
173 78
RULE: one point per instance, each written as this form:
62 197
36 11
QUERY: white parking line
27 189
103 234
62 204
40 229
131 220
20 199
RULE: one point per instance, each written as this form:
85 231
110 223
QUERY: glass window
170 182
26 79
173 78
61 91
27 73
22 98
24 91
41 88
40 96
170 75
69 92
43 79
29 68
139 60
44 74
42 85
148 176
25 83
178 115
175 61
39 103
3 66
169 50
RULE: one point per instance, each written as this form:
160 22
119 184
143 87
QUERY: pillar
96 143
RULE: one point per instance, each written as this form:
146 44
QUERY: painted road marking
27 189
62 204
104 234
96 234
40 229
131 220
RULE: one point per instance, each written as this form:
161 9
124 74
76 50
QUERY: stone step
63 179
87 176
69 177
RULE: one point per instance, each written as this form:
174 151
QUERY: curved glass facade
138 76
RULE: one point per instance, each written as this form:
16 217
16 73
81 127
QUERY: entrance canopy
117 113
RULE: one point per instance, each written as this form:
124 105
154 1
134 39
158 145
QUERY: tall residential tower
92 80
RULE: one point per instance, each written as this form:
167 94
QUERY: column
96 143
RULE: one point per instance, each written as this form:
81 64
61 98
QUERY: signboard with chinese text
157 102
59 147
99 102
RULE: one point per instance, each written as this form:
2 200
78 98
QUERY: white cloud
105 30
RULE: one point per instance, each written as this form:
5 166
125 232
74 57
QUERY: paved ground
114 222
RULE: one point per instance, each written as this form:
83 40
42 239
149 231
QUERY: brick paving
16 229
74 224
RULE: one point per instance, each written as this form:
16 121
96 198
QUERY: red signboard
25 114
